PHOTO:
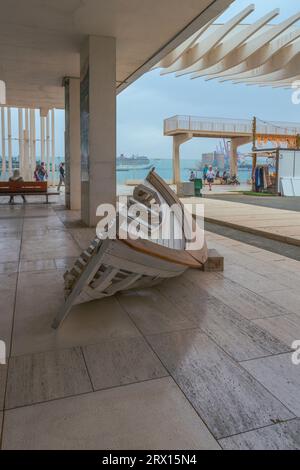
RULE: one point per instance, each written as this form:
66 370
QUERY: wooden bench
26 188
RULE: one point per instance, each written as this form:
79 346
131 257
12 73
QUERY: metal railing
232 126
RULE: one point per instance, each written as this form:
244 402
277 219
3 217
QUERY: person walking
205 170
16 178
61 176
36 173
42 172
210 176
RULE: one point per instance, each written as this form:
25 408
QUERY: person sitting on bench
16 177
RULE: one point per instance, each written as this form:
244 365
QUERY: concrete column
32 142
47 135
177 141
53 145
72 144
42 121
235 143
3 141
9 141
27 151
27 176
21 142
98 125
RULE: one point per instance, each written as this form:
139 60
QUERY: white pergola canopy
257 54
40 40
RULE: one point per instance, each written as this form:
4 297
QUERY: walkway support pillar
98 125
235 143
178 140
72 144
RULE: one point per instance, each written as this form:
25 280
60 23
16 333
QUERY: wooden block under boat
214 263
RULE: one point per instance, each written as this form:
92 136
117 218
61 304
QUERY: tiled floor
199 362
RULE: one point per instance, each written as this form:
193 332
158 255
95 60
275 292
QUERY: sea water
164 167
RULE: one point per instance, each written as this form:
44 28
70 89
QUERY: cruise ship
135 162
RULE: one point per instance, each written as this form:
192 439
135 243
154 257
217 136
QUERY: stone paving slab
239 337
286 328
149 415
283 436
3 372
153 313
46 376
121 361
213 381
280 376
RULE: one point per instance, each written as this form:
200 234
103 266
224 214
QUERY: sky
144 105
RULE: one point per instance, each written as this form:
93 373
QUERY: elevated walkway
183 128
228 128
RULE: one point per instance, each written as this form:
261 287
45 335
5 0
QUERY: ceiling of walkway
40 40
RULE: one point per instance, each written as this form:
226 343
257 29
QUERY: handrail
206 124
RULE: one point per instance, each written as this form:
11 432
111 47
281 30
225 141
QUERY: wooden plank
181 257
122 256
82 281
23 186
104 279
122 285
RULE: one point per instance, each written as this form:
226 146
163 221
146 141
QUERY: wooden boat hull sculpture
109 265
